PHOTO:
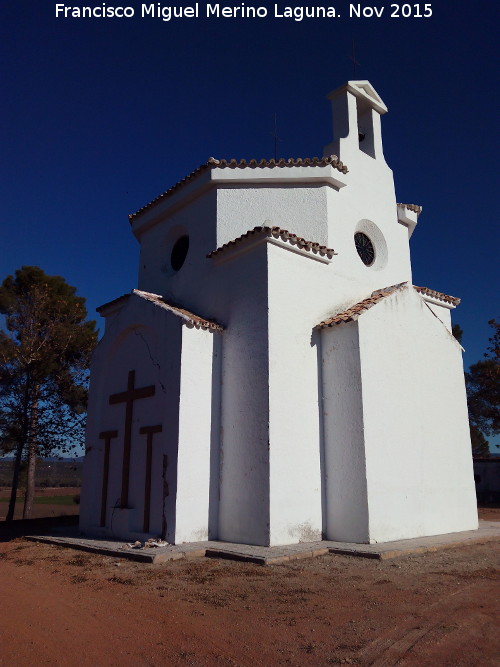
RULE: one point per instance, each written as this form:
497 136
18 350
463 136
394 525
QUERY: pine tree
44 358
483 390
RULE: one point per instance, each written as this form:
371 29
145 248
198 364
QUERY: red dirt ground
68 608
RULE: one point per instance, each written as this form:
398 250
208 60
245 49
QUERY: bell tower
356 110
365 226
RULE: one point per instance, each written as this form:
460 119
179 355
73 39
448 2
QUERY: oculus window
179 253
365 248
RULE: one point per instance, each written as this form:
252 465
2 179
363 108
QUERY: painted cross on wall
129 396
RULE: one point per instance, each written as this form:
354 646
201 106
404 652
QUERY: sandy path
63 607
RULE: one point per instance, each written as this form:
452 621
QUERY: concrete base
487 531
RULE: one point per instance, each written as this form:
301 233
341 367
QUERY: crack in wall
153 361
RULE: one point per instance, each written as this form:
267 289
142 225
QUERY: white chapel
276 377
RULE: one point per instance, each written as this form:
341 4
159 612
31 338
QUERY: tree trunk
15 481
19 453
32 452
30 482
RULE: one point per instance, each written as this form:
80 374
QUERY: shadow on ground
26 527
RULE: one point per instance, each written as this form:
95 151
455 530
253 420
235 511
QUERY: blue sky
99 116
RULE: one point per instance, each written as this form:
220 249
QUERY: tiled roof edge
190 318
412 207
437 295
241 164
114 302
277 232
352 314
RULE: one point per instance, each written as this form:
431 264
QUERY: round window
365 248
179 253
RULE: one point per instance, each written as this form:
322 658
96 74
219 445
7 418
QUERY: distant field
48 473
48 502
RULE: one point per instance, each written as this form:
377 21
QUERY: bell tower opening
365 128
356 109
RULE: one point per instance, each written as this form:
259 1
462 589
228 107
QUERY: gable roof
276 233
211 163
359 308
364 90
189 318
352 313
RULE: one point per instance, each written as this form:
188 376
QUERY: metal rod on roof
353 58
275 135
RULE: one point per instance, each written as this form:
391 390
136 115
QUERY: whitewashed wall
294 438
396 398
346 503
134 340
199 432
179 362
190 286
418 453
294 205
244 453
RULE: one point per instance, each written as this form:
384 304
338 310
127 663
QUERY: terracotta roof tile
190 318
437 295
242 164
277 233
359 308
412 207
